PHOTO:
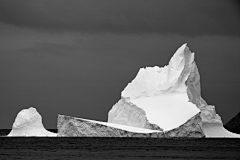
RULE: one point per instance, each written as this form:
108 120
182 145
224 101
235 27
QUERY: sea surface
82 148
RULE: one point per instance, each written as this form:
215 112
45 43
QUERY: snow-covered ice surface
123 127
29 123
217 130
167 111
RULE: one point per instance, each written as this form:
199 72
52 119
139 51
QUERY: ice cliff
77 127
166 97
29 123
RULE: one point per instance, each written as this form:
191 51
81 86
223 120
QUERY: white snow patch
168 111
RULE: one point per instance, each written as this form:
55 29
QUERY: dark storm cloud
186 17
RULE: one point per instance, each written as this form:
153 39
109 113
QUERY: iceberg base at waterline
216 130
31 132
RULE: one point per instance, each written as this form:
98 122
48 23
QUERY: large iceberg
167 98
29 123
161 102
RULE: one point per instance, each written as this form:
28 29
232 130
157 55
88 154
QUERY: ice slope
29 123
216 130
123 127
128 114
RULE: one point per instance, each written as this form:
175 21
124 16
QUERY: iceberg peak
152 81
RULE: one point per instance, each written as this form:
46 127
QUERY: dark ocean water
57 148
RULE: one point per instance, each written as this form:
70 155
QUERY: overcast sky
75 57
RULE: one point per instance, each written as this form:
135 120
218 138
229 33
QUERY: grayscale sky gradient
75 57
